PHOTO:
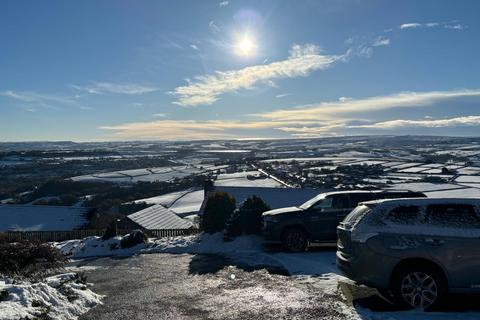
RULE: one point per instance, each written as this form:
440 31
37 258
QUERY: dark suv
413 250
316 220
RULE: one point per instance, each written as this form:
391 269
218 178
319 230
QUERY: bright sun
245 46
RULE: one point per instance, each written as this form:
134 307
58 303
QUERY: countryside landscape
239 159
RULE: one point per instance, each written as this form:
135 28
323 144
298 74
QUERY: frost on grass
63 296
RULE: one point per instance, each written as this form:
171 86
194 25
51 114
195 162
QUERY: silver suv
413 251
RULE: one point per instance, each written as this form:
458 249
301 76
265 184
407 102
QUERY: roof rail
398 190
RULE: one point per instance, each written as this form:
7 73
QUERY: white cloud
334 109
432 24
282 95
206 89
106 87
323 119
188 129
223 4
381 41
410 25
194 47
160 115
439 123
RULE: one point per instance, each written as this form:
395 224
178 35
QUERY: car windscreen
312 201
356 215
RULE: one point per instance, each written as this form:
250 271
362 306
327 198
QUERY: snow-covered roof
180 202
158 217
274 197
41 218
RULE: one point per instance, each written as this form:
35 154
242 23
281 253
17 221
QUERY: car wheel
418 287
295 240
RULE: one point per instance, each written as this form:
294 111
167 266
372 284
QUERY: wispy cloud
438 123
334 109
411 25
116 88
205 90
282 95
194 47
42 99
213 27
455 26
223 4
160 115
447 25
381 41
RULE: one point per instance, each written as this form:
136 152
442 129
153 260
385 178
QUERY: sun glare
245 46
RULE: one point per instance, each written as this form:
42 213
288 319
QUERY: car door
457 243
326 215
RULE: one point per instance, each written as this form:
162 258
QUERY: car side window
453 215
323 204
405 215
356 198
340 201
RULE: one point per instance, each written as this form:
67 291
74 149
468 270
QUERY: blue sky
181 70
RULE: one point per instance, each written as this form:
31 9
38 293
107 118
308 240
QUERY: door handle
434 242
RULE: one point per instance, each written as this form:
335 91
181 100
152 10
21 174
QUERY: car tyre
295 240
418 287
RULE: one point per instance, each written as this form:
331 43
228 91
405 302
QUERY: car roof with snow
421 202
370 191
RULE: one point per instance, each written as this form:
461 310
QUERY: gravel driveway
184 286
165 286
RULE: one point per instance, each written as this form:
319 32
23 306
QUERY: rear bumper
368 269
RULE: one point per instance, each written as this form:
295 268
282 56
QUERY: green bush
248 218
217 212
28 258
110 231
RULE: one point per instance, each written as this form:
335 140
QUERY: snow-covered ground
316 266
60 297
96 247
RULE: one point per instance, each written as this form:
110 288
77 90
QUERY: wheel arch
422 262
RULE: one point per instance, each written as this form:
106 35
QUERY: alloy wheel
419 289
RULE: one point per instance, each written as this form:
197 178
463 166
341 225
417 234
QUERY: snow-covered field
60 297
149 174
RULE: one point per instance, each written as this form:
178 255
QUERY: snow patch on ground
60 297
96 247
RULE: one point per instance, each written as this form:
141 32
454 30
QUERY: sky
194 70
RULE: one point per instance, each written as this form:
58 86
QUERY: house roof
274 197
158 217
180 202
41 218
